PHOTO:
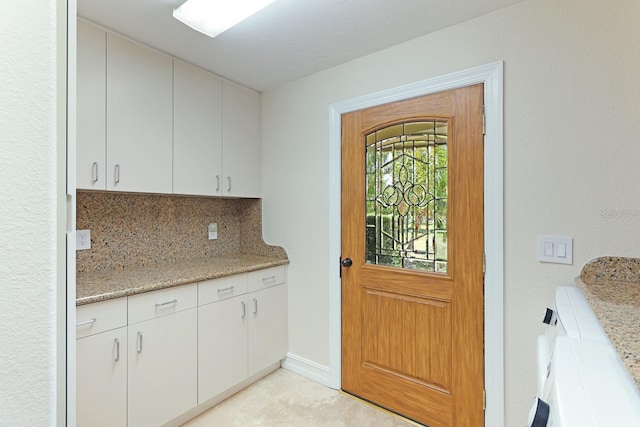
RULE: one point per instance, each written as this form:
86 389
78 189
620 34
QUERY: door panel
399 322
412 221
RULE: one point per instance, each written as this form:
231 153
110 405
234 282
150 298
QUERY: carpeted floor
285 399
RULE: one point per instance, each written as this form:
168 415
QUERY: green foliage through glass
406 196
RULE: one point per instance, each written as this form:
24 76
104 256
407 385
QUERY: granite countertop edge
92 287
620 320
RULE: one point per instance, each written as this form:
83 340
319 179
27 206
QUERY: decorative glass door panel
406 196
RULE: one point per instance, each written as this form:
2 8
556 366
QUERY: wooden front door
412 257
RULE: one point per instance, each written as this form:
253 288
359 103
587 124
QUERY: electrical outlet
83 240
213 231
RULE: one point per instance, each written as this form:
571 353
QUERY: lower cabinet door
162 368
101 379
268 335
222 346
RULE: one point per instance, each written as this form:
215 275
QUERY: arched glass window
406 205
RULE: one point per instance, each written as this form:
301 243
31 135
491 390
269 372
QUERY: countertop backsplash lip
611 286
96 286
613 268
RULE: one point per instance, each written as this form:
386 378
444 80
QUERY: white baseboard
307 368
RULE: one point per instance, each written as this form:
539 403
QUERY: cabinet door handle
255 306
217 183
87 322
116 342
116 173
229 188
139 342
244 309
222 291
94 171
268 279
164 304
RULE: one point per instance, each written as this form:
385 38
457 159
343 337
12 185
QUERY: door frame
69 381
491 75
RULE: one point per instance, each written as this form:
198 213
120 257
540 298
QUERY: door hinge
484 399
484 121
484 262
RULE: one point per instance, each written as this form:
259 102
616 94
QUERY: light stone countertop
95 286
611 285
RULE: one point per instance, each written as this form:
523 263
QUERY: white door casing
492 77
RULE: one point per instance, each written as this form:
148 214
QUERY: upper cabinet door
197 131
241 141
91 103
139 118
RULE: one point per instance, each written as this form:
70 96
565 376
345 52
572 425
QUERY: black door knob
346 262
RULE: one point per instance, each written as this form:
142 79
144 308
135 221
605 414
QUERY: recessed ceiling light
212 17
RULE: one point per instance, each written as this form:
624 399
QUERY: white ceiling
288 39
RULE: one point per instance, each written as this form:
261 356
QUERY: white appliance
571 316
587 387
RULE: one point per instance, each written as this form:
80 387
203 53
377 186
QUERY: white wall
28 216
571 152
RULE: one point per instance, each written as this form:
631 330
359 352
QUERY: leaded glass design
406 196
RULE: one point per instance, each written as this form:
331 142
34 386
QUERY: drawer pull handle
164 304
88 322
139 342
116 342
94 170
222 291
244 309
255 306
269 279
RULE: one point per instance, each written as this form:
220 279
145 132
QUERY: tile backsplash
129 230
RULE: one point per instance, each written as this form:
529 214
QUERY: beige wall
571 146
29 225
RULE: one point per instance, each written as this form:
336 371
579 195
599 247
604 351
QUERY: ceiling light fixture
212 17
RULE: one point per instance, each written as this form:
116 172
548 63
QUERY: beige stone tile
285 399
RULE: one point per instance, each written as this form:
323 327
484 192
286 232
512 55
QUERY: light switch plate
213 231
83 240
555 249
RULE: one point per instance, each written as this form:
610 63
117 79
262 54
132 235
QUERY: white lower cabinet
101 373
101 364
163 355
222 346
162 368
168 351
267 327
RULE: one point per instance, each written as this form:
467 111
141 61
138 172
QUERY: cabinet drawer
268 277
100 316
218 289
160 303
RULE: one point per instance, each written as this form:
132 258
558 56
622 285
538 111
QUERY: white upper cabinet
139 118
149 123
197 131
241 141
91 104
